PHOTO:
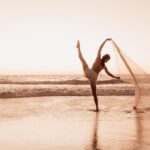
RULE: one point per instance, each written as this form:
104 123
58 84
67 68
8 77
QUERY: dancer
98 66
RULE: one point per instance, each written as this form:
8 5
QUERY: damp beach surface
71 123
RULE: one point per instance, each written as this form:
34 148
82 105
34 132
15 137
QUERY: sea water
60 85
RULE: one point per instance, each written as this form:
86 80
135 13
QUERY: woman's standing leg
93 88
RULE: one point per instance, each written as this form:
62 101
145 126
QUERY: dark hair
106 56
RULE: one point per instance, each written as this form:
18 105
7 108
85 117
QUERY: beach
70 122
44 112
74 75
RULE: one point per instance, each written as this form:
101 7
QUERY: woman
97 67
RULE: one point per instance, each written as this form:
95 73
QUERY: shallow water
71 123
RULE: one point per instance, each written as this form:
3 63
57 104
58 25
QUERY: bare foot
134 107
97 110
78 44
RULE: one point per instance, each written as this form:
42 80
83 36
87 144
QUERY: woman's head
105 58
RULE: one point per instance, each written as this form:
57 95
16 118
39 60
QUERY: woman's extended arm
106 70
101 47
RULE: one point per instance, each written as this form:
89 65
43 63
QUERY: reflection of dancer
97 67
94 139
95 132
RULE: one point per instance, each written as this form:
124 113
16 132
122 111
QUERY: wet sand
70 123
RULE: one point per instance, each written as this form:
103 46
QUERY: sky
39 36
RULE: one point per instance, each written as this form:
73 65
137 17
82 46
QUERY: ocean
12 86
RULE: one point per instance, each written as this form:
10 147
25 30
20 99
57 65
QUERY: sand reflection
123 133
139 120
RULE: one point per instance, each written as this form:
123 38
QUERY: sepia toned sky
39 36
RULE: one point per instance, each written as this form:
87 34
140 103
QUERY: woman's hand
118 78
78 44
108 39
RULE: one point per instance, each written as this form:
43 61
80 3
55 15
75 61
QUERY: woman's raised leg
84 64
